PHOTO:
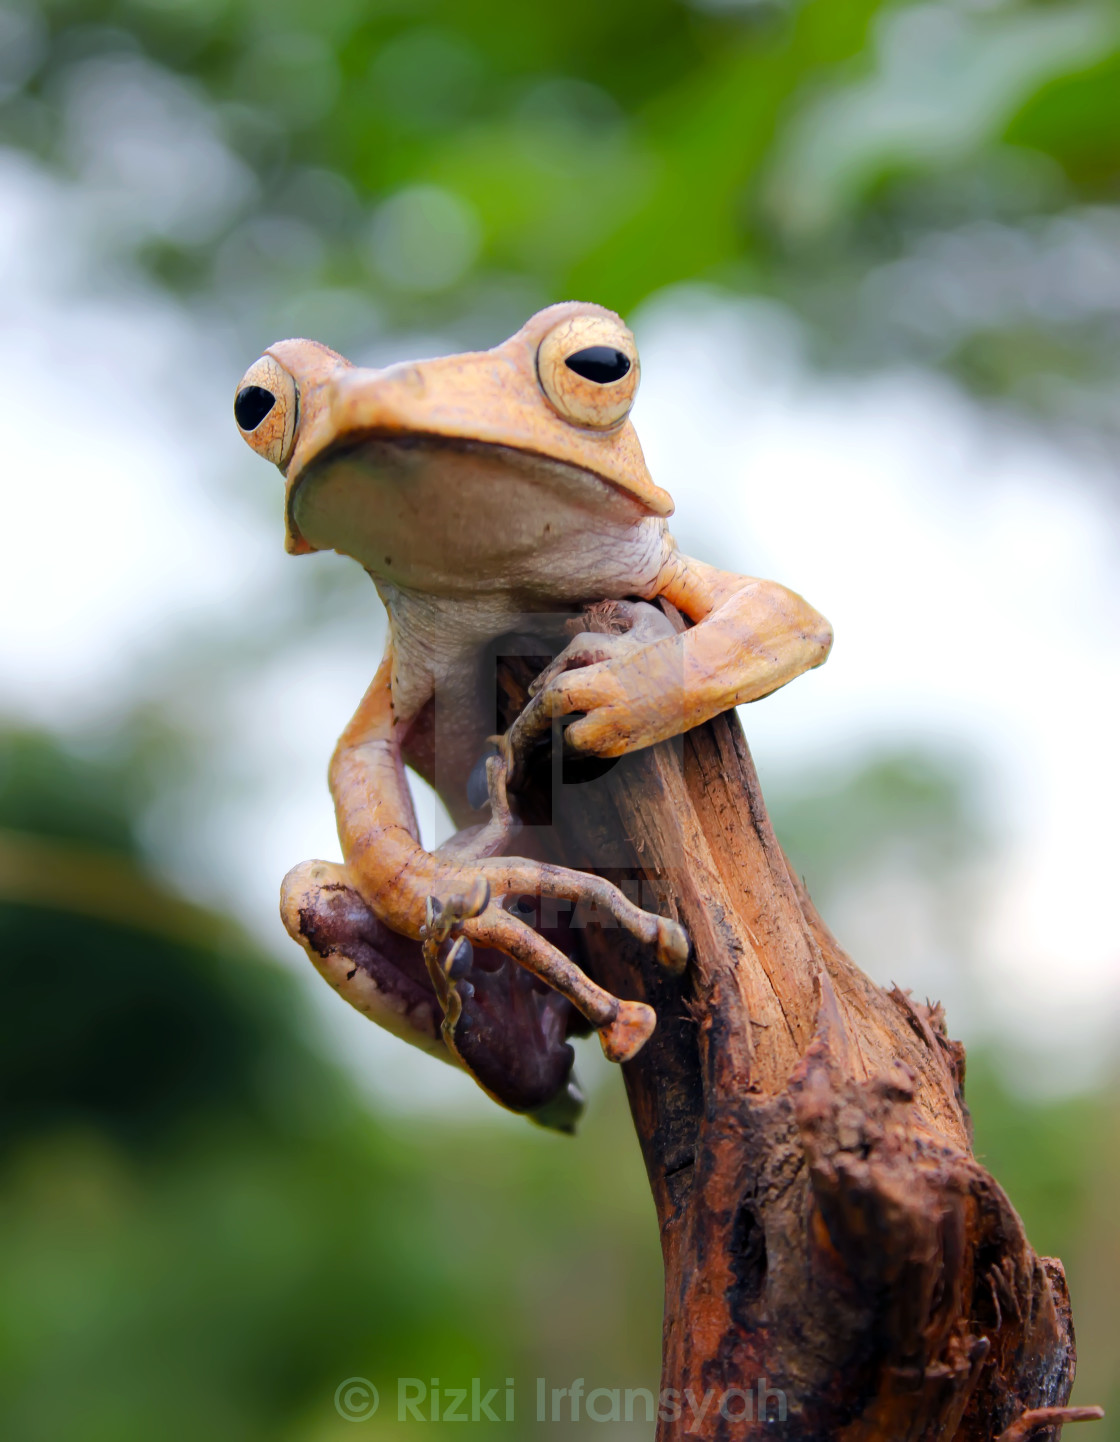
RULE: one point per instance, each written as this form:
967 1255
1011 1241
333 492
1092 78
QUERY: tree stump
837 1263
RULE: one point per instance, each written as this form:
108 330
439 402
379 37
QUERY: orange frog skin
487 494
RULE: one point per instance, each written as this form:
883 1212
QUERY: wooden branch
835 1257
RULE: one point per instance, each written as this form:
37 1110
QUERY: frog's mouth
448 503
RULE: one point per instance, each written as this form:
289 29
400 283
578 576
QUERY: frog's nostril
251 406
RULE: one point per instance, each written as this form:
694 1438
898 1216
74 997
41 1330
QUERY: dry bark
831 1245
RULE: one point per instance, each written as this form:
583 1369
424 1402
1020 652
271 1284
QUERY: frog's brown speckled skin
473 501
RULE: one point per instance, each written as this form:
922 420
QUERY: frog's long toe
511 875
441 918
673 945
623 1026
481 996
624 1037
502 1023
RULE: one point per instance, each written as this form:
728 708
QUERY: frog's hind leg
623 1027
379 972
511 875
390 870
507 1029
514 874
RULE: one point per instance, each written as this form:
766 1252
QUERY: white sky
969 569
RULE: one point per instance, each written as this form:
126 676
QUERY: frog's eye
265 409
588 369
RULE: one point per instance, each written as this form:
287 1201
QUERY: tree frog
486 493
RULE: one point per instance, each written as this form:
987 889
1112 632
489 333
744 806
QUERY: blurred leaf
447 167
917 808
126 1007
203 1230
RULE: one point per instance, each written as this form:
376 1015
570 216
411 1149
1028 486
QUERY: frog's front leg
395 877
750 637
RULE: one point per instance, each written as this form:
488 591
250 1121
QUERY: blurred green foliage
204 1229
126 1009
930 181
914 807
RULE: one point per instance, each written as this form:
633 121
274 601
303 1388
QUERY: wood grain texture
827 1234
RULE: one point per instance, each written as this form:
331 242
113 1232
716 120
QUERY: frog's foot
517 876
509 1030
623 1026
490 1007
483 872
599 680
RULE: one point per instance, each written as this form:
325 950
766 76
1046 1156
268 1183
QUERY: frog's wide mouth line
519 457
433 440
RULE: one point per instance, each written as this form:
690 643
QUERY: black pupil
251 406
599 363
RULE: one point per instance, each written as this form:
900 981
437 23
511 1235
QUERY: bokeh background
871 253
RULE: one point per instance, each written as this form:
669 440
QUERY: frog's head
399 466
